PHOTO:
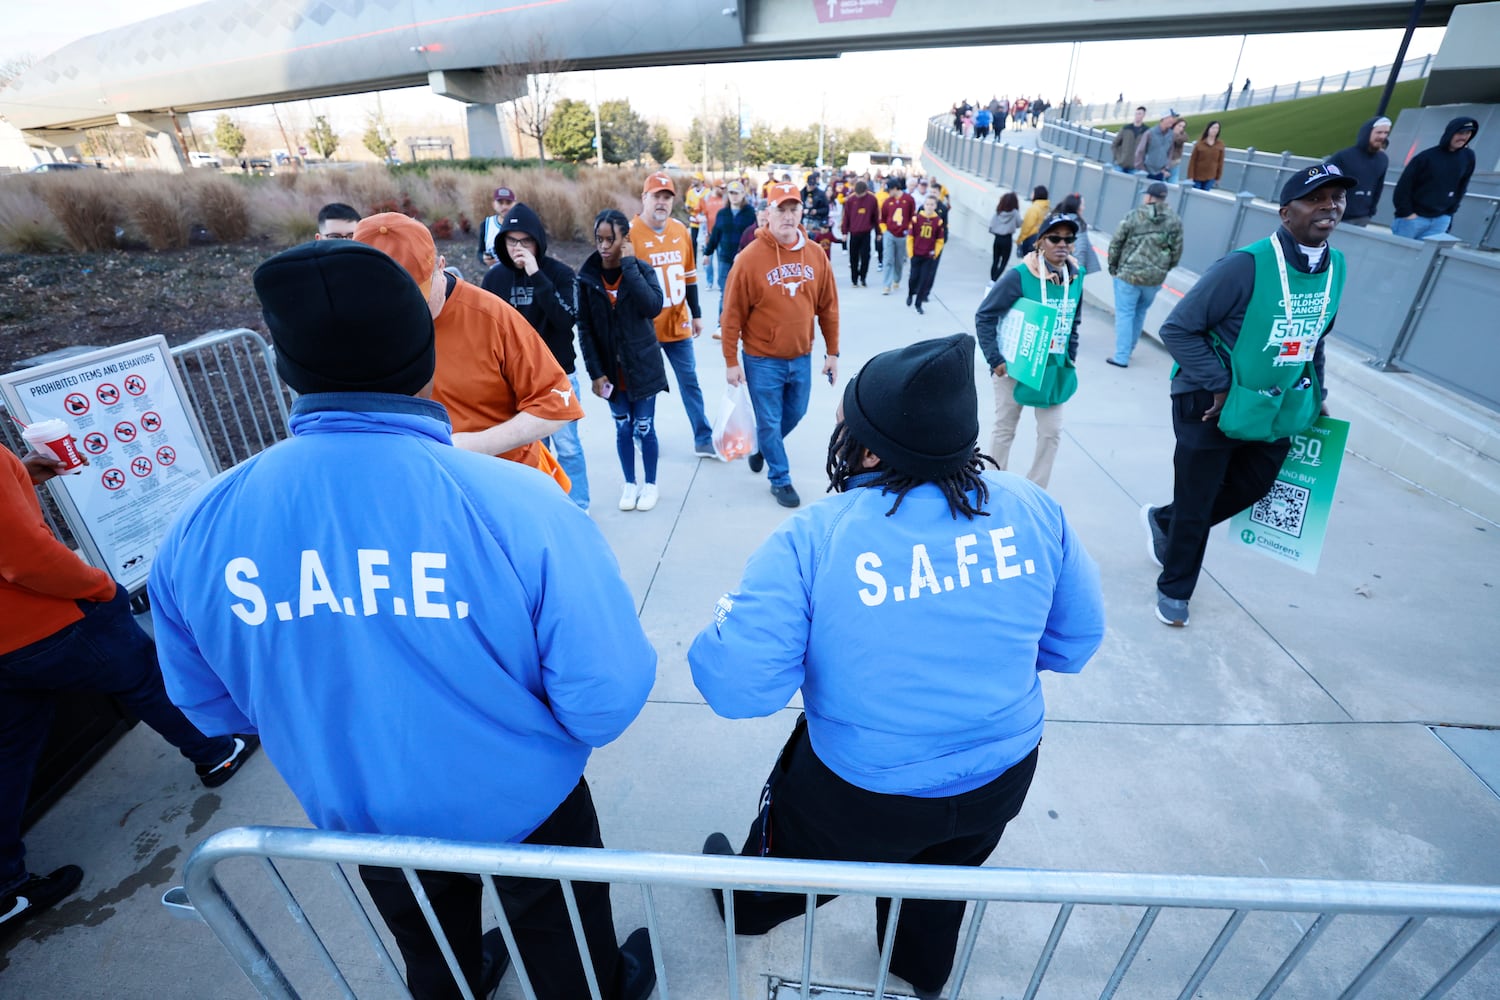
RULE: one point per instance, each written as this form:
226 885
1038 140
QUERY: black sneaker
214 775
757 462
637 971
495 961
786 495
919 309
717 843
1156 539
34 895
908 300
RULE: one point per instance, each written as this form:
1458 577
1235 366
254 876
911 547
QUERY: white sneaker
649 496
628 496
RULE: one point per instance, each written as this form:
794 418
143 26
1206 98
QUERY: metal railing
232 386
1191 104
1452 947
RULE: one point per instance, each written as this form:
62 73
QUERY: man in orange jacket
780 283
66 627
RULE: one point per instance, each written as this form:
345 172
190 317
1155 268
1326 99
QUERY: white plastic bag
734 430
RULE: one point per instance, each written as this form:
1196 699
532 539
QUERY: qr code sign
1283 508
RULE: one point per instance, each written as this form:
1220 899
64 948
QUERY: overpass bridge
234 53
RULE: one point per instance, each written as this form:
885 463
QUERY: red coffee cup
55 438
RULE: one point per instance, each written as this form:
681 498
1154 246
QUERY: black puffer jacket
622 335
547 299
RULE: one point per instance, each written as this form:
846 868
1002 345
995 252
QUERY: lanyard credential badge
1294 338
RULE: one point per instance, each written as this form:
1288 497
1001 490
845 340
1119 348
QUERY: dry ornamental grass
98 258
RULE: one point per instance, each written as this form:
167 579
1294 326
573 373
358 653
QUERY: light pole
1229 90
598 134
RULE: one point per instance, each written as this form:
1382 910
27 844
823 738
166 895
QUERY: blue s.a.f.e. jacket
915 638
400 621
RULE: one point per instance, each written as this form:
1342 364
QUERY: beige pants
1008 414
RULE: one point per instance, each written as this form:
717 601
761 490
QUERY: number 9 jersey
670 255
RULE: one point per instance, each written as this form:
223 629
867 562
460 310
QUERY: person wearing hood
543 290
1366 162
1435 182
1048 275
1248 340
915 609
780 284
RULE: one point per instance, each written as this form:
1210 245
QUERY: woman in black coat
618 300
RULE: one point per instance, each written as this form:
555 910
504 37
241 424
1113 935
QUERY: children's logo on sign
113 479
135 385
95 443
76 403
108 393
124 432
150 422
1289 522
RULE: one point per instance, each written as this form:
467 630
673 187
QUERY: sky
856 89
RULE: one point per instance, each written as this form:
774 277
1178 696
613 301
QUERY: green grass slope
1312 126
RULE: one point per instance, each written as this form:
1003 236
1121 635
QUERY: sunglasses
1060 239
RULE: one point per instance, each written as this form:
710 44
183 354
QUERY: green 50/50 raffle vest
1274 391
1059 377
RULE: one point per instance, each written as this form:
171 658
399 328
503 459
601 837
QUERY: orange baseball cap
404 240
780 193
659 181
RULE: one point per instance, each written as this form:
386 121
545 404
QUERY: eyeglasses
519 242
1060 239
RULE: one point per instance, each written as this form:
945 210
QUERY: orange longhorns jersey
671 255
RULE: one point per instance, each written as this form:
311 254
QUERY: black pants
1000 255
923 271
535 908
859 257
815 814
1216 478
879 240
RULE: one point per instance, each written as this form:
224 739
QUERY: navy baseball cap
1305 182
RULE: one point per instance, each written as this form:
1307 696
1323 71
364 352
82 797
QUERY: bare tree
529 75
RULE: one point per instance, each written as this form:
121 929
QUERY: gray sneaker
1171 611
1156 539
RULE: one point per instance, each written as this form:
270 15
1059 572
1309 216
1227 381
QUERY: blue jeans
103 653
1420 228
1205 185
895 254
1131 303
680 354
711 267
569 451
779 390
635 420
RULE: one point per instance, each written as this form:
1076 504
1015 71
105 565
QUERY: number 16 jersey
670 254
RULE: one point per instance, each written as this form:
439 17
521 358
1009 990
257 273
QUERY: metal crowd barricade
1370 905
231 382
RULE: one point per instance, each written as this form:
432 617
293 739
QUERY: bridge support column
487 134
161 132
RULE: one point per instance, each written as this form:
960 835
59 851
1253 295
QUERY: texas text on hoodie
1436 179
548 299
773 296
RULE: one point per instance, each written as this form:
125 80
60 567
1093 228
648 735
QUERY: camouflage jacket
1147 245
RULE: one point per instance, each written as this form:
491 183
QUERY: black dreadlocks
844 462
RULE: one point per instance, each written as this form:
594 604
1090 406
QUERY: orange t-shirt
671 254
40 577
711 205
492 365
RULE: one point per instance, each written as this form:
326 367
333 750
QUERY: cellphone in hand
609 387
830 378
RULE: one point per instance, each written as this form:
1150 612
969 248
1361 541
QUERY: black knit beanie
916 407
346 318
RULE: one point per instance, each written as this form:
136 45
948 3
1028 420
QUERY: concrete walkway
1339 725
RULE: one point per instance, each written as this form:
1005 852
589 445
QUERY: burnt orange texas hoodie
773 296
40 577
